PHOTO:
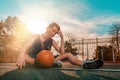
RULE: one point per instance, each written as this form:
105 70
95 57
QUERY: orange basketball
45 59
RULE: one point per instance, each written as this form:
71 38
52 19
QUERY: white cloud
106 19
82 28
3 16
64 15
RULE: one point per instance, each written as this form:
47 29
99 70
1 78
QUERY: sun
36 25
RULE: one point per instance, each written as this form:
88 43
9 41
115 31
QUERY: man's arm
21 58
55 45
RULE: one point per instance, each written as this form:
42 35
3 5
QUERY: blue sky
83 18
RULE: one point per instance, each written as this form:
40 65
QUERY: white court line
79 69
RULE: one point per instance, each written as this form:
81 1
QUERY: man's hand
20 63
62 43
60 34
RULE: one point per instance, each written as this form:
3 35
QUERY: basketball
45 59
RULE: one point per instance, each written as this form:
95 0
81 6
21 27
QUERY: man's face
52 31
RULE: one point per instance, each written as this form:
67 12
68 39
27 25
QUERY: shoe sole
93 65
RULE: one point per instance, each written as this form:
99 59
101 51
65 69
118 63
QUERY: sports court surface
67 72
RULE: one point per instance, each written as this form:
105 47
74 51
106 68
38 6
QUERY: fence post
96 41
87 52
96 47
82 49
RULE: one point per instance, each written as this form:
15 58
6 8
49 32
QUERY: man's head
53 24
52 29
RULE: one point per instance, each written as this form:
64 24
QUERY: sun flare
36 25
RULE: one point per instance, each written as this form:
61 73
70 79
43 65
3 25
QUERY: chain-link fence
98 48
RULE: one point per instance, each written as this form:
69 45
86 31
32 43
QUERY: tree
69 44
115 31
71 37
68 48
13 33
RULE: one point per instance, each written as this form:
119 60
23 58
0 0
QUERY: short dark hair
54 24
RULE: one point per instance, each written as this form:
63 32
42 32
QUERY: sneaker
93 64
57 64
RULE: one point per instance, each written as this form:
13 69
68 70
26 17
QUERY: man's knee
68 54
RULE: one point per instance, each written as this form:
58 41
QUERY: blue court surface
62 74
9 71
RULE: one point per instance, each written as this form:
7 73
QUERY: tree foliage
115 31
13 33
69 44
69 48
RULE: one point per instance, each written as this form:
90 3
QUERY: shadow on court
98 75
55 74
36 74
